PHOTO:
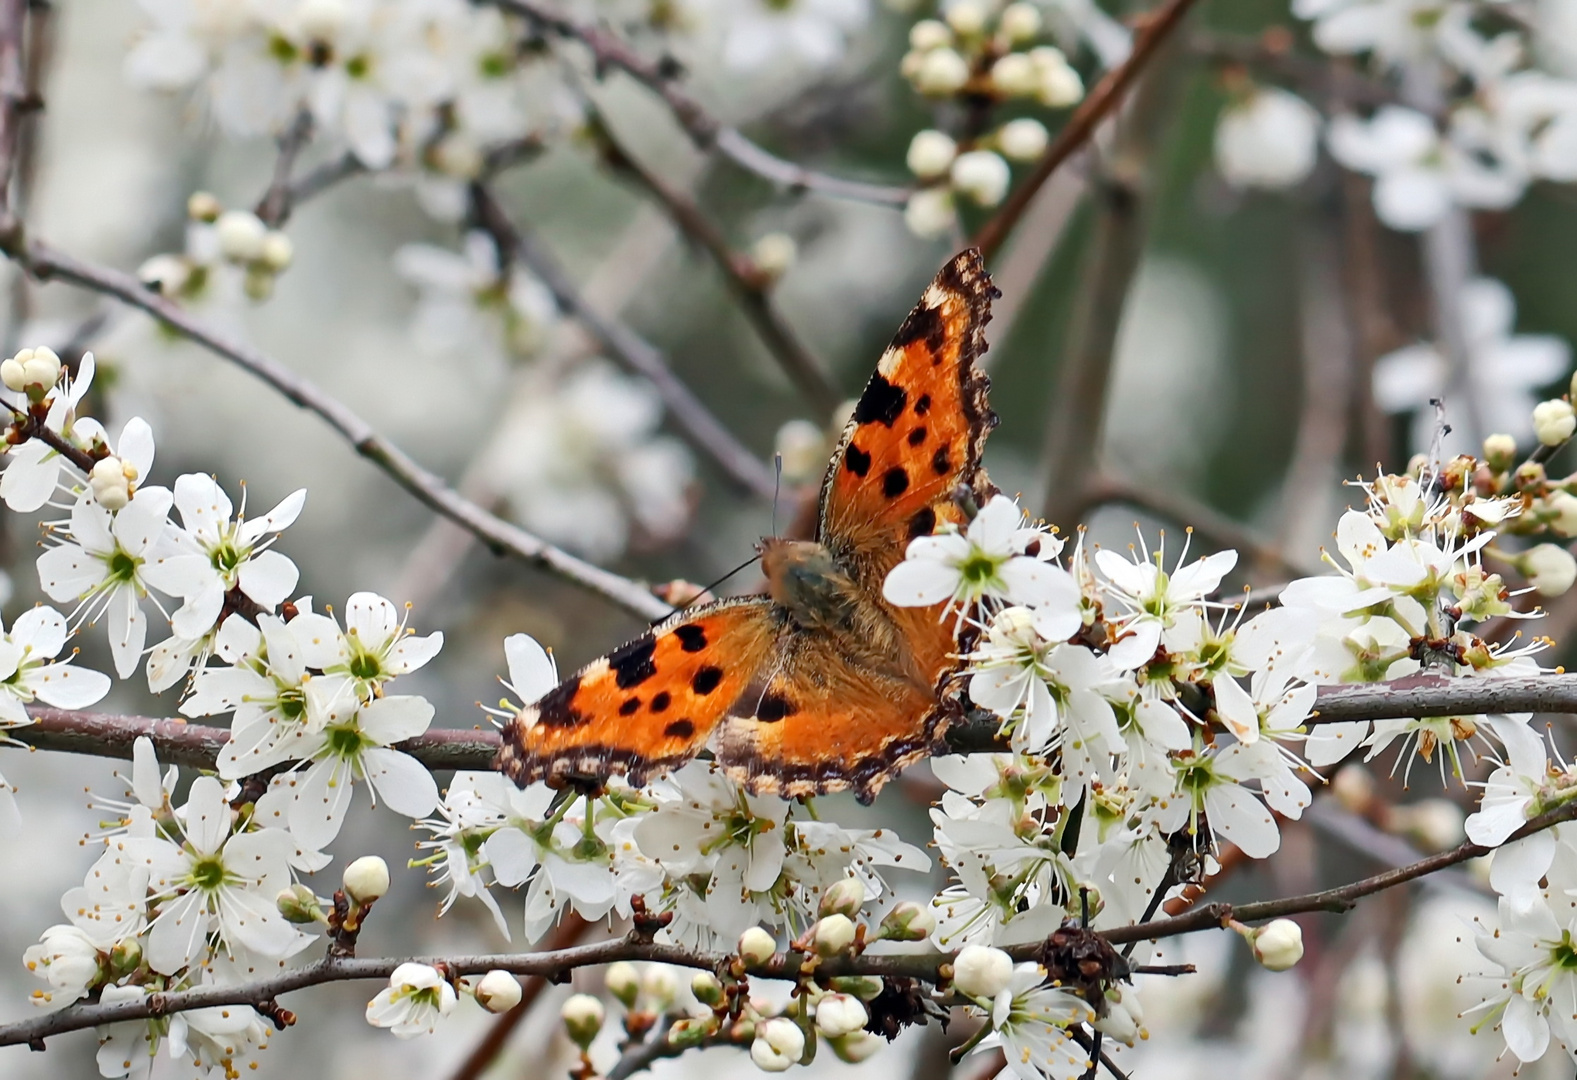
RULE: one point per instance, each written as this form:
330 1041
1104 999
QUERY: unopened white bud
802 447
109 482
756 946
1278 945
582 1015
843 897
833 934
706 987
165 274
941 72
1015 75
13 374
1554 421
1563 504
839 1014
908 921
366 879
778 1045
1353 786
1060 85
982 972
1500 452
928 34
773 254
277 251
203 206
241 235
966 18
929 212
856 1046
624 983
498 992
1023 139
1122 1020
1549 568
982 175
40 368
931 153
1019 22
660 984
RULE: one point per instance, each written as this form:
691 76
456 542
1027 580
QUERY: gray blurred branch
502 537
700 427
918 965
611 52
197 745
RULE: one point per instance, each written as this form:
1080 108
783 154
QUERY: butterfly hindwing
648 706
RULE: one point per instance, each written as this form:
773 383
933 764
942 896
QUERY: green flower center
122 566
346 742
365 665
208 874
978 568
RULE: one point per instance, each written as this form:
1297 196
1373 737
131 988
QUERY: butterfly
820 685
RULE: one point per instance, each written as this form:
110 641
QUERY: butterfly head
804 577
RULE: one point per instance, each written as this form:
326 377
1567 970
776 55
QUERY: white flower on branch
1029 1022
1151 598
417 997
32 470
467 297
1269 138
376 645
763 33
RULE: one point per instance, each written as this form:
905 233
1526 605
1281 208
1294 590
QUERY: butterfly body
820 685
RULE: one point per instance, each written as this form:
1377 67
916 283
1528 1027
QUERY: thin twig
13 100
1106 96
920 965
701 428
750 289
611 52
275 205
502 537
197 745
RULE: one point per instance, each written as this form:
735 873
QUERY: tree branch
198 745
277 202
700 427
502 537
611 52
13 102
1106 96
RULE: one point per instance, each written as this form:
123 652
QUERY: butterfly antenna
777 489
722 579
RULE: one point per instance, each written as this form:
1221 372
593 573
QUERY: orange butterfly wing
648 706
838 720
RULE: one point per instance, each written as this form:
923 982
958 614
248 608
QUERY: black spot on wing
923 406
857 461
881 403
923 523
629 706
895 481
941 462
917 436
680 729
774 707
555 710
706 680
692 638
632 664
923 324
661 700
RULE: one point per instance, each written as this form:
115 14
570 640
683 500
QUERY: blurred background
1254 321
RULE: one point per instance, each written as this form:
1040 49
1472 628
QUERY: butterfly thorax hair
808 581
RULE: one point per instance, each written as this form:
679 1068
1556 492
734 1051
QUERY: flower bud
839 1014
833 935
1023 139
692 1031
624 983
1060 85
708 990
756 946
203 206
277 252
366 879
1436 823
582 1015
928 34
843 897
165 274
1500 452
930 154
1530 476
33 370
966 18
241 235
981 972
1554 421
856 1046
1015 75
1122 1020
125 957
907 921
982 175
864 987
778 1045
929 212
110 485
660 985
1563 512
941 72
1019 22
1549 568
802 448
1277 945
498 992
12 374
773 254
299 905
